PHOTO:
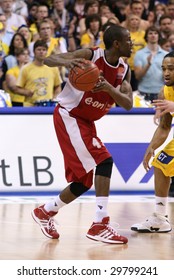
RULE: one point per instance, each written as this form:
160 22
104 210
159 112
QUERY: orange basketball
84 79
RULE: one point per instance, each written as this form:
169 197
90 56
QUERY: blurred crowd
62 26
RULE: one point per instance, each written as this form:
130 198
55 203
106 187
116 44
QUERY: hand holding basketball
84 78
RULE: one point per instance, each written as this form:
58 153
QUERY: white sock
54 205
161 205
101 208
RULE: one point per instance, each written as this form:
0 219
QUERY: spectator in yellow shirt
93 35
56 45
38 82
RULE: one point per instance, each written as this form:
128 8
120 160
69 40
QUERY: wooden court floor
21 238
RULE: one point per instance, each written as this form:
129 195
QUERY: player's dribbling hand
79 62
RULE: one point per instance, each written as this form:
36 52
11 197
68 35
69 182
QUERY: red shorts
82 149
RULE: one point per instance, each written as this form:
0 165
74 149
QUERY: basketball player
163 162
74 119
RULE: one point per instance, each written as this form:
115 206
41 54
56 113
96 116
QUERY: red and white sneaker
46 221
105 233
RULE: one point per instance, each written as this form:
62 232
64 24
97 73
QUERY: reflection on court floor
21 238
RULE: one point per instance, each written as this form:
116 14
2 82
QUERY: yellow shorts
164 160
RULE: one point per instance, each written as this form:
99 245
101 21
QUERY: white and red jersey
88 105
74 122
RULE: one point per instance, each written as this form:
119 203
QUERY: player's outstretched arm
69 59
164 106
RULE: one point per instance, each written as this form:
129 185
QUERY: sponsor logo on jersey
164 158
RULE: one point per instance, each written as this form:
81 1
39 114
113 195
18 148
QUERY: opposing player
163 162
74 119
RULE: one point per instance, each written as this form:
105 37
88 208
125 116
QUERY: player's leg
101 230
67 130
158 221
163 164
44 214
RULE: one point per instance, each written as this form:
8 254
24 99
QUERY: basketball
84 79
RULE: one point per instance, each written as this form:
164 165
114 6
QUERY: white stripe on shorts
77 142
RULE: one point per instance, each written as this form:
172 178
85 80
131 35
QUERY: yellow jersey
138 43
39 79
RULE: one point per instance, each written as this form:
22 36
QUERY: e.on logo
89 101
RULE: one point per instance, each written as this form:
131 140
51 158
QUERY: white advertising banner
31 160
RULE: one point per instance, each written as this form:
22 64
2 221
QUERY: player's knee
105 168
78 188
